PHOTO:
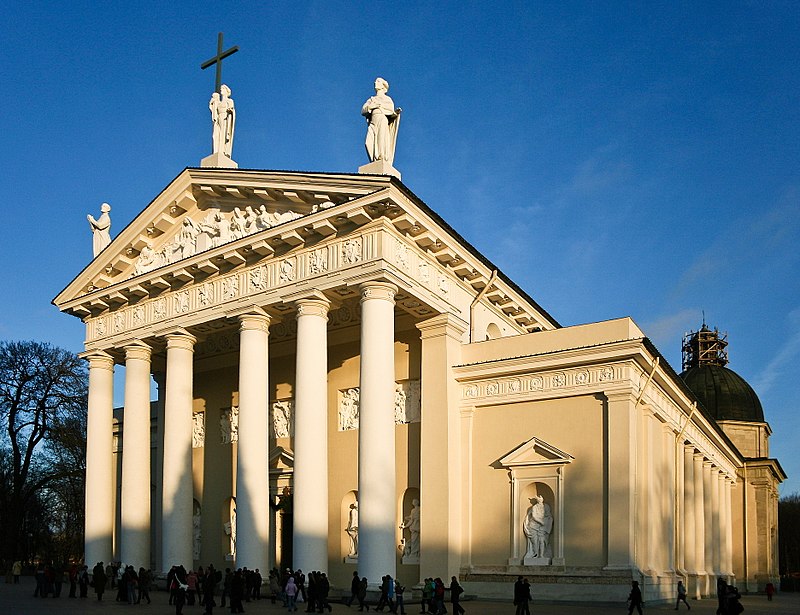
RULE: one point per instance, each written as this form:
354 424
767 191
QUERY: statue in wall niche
229 425
198 429
230 530
383 121
223 119
352 529
537 527
101 229
348 409
411 523
196 536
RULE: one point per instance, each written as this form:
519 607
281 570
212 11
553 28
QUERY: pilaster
621 471
440 448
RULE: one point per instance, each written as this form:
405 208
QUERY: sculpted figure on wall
198 429
348 409
537 527
411 523
223 119
230 529
352 529
229 425
382 123
196 535
282 419
101 229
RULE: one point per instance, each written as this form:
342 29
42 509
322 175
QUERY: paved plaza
19 600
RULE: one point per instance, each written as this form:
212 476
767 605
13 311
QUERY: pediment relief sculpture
216 228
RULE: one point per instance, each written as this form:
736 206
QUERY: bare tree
43 390
789 534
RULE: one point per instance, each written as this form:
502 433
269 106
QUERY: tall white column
709 525
729 534
99 515
723 525
716 534
177 483
377 493
699 524
135 541
310 478
689 513
654 451
252 473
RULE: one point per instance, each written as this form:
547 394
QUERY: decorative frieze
406 405
539 382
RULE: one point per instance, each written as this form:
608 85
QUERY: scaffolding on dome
704 347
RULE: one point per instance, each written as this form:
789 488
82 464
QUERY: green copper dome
724 393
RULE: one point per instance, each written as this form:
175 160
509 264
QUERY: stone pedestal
536 561
218 160
379 167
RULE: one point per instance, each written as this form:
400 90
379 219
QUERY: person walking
681 596
522 595
99 579
362 595
291 594
635 598
355 584
770 591
455 596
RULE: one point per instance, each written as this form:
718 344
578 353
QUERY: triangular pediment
281 459
280 230
534 452
205 209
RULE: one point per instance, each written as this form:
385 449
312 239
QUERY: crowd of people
293 587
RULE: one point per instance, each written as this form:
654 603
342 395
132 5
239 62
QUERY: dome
724 393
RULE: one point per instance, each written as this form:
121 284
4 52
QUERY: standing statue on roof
223 118
101 229
383 122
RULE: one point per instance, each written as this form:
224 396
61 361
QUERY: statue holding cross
223 113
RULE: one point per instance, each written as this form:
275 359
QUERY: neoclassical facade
321 340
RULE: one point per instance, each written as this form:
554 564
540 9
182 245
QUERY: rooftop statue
101 229
223 118
383 121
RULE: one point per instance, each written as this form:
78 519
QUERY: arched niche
228 524
493 331
536 468
345 539
406 505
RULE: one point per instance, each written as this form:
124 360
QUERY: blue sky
613 158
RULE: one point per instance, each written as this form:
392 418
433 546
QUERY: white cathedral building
345 383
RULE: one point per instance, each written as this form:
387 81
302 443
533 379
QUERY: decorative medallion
606 374
287 270
582 377
471 391
258 278
492 388
205 294
351 251
318 261
230 287
536 383
559 380
514 386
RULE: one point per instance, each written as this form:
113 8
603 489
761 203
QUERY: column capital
689 448
254 322
180 339
313 305
442 324
376 289
137 350
98 359
621 396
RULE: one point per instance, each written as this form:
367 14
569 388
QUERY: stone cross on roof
217 59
